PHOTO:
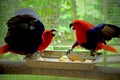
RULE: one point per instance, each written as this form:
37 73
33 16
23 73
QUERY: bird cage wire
99 11
113 11
59 13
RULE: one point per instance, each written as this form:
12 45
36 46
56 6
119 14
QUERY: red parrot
47 38
92 37
26 34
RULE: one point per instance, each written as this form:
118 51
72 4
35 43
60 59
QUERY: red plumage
94 38
81 31
47 39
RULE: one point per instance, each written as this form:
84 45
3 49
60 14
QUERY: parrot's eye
47 33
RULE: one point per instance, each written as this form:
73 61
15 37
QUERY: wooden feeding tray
51 60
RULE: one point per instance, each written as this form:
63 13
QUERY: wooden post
74 8
105 20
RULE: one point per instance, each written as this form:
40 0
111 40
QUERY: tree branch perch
20 67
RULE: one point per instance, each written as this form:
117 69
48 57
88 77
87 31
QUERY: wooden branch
99 72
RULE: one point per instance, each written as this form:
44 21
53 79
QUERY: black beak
71 25
53 30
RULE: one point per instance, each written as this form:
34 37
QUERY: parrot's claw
92 53
68 51
98 54
32 56
28 56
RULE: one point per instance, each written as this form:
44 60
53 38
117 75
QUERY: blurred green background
59 14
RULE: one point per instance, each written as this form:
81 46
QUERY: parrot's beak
71 26
53 30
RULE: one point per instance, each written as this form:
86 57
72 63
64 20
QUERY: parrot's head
49 34
80 25
47 37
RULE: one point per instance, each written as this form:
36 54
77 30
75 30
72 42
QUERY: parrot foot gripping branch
58 60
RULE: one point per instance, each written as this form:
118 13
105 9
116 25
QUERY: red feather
4 49
47 39
81 30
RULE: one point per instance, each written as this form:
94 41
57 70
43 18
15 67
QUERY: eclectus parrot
26 34
94 38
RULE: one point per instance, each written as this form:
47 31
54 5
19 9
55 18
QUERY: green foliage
113 11
12 57
7 9
34 77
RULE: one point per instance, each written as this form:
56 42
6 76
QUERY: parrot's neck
45 42
81 32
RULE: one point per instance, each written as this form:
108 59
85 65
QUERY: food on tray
72 58
41 59
64 58
88 61
77 61
76 58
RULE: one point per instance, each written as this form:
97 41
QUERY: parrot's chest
81 37
87 40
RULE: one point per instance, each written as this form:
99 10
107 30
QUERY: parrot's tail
110 48
4 49
106 47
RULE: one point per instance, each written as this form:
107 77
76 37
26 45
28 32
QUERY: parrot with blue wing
92 37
